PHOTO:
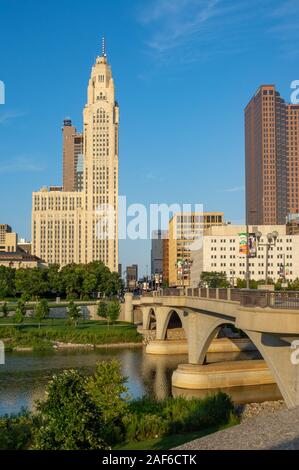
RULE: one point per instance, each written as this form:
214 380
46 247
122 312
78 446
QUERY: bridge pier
219 345
129 309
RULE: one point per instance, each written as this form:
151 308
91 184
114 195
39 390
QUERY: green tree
214 279
294 285
32 282
113 285
102 311
102 274
70 418
241 284
20 312
41 311
4 310
89 283
72 278
74 313
113 312
7 282
55 279
108 390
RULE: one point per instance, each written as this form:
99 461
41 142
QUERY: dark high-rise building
165 276
132 277
157 251
73 160
272 158
120 273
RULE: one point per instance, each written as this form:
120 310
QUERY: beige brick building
65 224
8 239
184 229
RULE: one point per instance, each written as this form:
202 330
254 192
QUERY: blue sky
183 69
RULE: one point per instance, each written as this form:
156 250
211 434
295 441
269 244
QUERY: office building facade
221 252
185 233
272 158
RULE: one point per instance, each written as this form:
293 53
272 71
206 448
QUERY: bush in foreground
69 418
149 419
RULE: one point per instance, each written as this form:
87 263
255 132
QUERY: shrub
146 426
113 312
108 391
102 310
41 310
20 312
70 420
16 431
176 415
74 313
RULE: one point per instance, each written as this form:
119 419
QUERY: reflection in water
24 377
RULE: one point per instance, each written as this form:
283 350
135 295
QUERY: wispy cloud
189 30
175 19
285 26
8 115
235 189
20 165
175 24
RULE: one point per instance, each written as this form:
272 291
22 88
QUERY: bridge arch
260 341
174 319
149 318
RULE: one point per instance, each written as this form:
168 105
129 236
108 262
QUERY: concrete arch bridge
269 319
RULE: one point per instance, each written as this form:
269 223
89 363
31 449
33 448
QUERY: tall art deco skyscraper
72 226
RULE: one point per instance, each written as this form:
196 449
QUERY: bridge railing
263 299
246 297
223 294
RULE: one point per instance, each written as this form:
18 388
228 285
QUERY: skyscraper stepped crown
65 225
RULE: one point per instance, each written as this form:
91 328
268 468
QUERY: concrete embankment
222 375
180 346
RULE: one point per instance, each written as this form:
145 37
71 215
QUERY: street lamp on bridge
271 241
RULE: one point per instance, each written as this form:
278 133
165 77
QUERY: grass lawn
29 334
169 442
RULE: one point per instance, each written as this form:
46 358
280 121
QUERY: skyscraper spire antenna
103 46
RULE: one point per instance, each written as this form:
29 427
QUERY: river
24 376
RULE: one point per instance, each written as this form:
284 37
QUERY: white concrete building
221 252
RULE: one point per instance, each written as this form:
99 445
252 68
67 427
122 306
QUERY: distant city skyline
184 72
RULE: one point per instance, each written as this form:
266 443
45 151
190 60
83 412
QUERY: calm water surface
24 376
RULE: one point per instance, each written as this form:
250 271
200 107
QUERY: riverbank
276 430
57 334
253 410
